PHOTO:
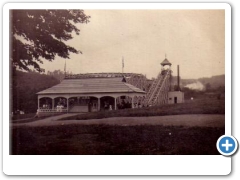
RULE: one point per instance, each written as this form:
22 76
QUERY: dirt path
207 120
44 122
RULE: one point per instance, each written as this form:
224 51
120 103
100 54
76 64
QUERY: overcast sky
193 39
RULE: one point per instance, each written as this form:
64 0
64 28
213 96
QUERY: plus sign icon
227 145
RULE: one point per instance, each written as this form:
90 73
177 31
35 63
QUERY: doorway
175 100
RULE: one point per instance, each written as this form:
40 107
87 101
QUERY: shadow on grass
114 140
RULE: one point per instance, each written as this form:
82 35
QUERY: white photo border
115 165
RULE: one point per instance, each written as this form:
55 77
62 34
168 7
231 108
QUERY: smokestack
178 78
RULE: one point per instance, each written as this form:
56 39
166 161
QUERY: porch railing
57 110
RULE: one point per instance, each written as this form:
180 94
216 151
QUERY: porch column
52 103
99 104
67 105
38 103
132 102
115 103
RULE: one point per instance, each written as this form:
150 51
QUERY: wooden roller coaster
138 80
157 90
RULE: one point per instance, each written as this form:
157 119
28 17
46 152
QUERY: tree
24 87
37 34
58 74
208 87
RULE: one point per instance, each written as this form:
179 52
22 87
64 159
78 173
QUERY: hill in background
210 83
24 86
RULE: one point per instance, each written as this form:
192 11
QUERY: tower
166 63
158 92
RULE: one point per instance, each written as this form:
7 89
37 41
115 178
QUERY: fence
55 110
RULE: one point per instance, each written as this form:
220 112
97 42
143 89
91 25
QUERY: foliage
189 93
212 83
24 87
37 34
208 87
58 74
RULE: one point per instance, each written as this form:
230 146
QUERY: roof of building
92 85
102 75
166 62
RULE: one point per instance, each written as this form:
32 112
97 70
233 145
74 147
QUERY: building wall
175 97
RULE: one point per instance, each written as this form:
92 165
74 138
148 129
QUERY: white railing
55 110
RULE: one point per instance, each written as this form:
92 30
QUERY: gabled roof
92 85
166 62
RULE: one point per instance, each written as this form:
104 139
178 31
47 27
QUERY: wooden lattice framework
158 92
135 79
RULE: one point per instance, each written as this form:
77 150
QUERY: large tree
42 34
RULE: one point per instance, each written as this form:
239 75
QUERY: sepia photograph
116 81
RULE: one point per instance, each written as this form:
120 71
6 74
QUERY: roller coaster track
157 93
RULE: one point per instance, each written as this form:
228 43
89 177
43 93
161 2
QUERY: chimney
178 78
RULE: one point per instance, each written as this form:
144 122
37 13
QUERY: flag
122 62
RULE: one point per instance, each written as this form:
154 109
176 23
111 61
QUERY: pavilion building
89 94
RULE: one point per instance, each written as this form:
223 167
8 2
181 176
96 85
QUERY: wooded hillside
24 86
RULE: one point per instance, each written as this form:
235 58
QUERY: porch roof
92 85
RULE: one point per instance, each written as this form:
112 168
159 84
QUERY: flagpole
122 64
65 69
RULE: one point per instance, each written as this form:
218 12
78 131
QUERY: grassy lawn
198 106
23 116
76 139
114 140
